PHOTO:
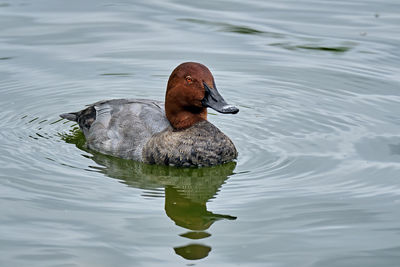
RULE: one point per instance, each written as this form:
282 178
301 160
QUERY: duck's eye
189 79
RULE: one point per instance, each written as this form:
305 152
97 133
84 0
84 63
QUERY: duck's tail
73 116
84 118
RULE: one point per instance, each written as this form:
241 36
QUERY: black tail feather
70 116
84 118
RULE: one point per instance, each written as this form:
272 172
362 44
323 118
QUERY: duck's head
190 90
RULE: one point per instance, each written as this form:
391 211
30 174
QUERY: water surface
317 178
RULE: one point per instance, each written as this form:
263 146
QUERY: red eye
189 79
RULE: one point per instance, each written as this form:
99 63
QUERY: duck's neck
183 119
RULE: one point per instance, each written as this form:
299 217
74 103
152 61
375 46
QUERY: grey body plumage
138 129
121 127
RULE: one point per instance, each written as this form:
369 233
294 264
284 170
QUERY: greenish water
317 178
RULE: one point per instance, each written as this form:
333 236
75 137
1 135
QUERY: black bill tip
214 100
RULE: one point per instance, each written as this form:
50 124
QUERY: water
317 178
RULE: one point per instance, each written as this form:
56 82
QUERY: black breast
203 144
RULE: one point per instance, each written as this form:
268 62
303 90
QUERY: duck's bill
214 100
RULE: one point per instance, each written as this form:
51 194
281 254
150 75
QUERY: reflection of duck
187 191
193 251
141 130
189 213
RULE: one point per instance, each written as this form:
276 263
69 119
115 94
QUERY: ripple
336 49
116 74
227 27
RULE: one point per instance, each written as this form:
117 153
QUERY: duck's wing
120 127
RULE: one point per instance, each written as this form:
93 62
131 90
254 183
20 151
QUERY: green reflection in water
227 27
187 190
193 251
241 29
334 49
338 49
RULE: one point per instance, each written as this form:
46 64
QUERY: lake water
316 182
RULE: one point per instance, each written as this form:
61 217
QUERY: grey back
123 126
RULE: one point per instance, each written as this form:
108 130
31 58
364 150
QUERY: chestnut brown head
190 90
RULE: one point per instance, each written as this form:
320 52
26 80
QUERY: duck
175 132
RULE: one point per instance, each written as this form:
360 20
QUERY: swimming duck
176 133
